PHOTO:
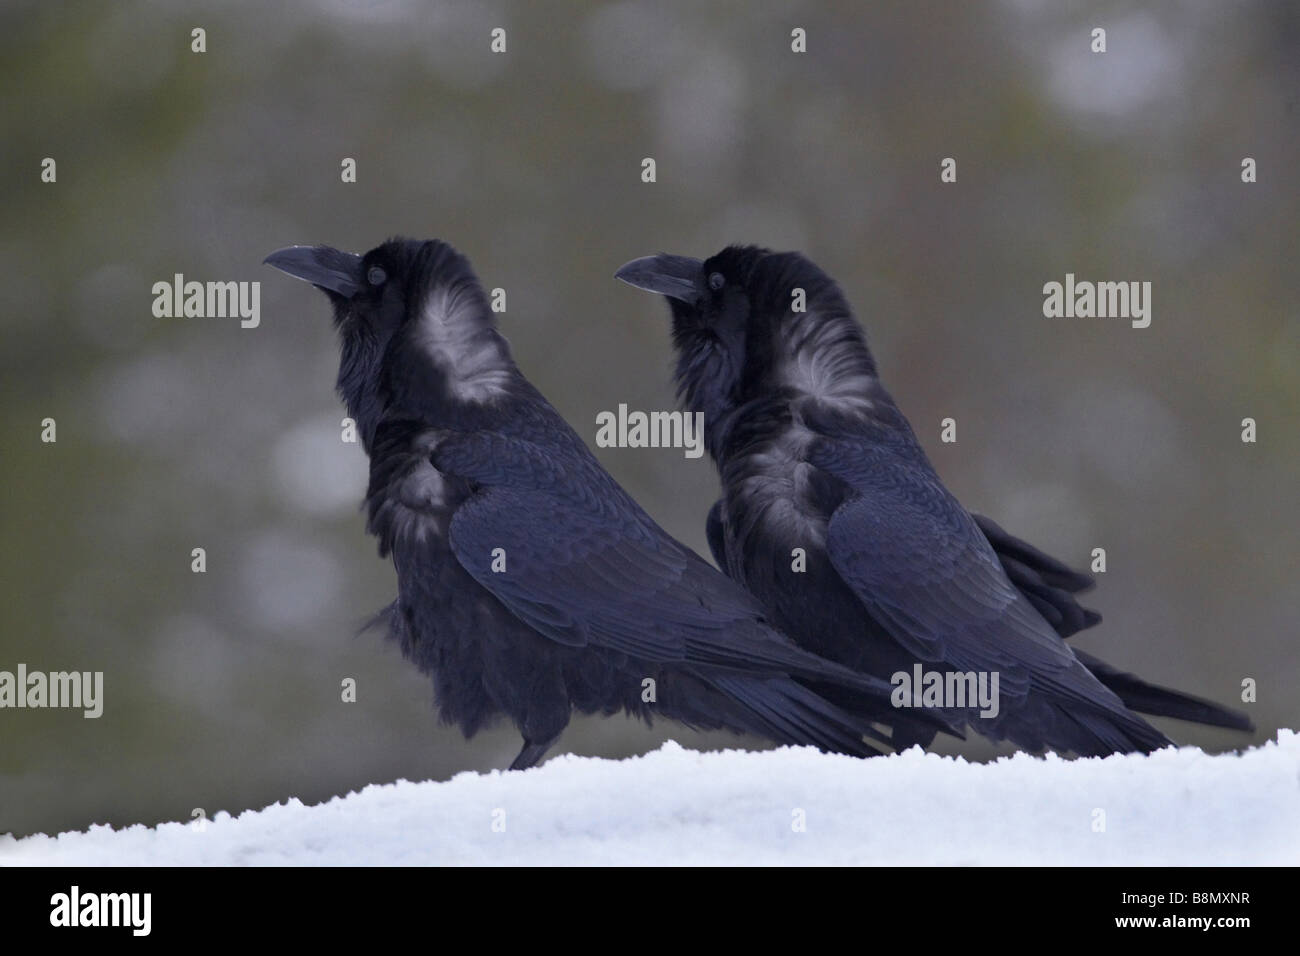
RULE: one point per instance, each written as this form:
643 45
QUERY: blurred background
222 689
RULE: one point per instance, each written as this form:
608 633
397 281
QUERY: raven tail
1157 701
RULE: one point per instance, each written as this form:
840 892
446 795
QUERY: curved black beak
679 277
325 268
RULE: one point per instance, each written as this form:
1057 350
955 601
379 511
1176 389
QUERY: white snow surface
787 806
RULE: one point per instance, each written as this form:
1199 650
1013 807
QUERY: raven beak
679 277
323 267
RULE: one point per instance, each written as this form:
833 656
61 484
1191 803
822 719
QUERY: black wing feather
923 568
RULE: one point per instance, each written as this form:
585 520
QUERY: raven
530 584
893 573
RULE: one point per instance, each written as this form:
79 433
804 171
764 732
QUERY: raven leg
531 753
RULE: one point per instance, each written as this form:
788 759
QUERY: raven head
750 325
415 325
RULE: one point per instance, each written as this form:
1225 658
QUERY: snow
675 806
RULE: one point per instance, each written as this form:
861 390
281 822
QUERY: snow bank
795 806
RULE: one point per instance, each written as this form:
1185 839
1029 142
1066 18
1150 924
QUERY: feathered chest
409 502
774 497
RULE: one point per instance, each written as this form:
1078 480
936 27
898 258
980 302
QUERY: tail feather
1146 698
1114 735
789 713
1049 584
1054 573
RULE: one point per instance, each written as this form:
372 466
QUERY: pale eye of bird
717 281
376 275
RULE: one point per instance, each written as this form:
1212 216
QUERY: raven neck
749 428
790 418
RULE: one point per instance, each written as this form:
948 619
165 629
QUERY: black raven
894 576
529 583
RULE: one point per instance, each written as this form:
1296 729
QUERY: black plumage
814 454
530 584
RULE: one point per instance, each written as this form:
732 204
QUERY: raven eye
376 275
717 281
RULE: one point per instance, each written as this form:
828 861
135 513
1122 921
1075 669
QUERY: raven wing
924 570
582 564
1049 585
